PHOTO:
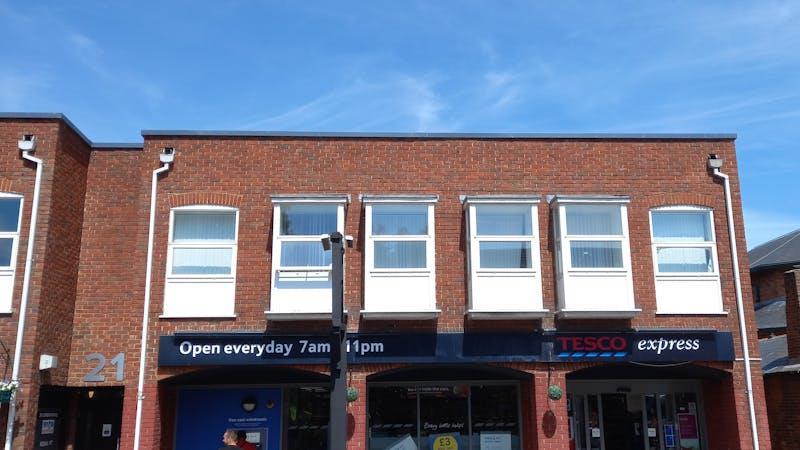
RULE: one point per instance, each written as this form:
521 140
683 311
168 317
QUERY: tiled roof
781 251
771 314
774 353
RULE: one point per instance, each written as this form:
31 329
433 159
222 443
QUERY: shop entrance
635 415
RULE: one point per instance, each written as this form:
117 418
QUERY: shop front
446 391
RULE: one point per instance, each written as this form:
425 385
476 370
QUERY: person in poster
229 439
241 441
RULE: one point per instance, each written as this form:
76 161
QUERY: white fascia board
511 198
588 199
398 198
310 198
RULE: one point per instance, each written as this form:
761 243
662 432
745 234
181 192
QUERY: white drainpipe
714 163
26 284
167 156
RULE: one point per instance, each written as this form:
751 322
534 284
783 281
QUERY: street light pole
337 426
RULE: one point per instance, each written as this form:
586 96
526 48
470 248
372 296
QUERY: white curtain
503 220
399 220
596 254
202 261
593 220
204 227
308 220
684 259
400 254
505 255
681 227
304 254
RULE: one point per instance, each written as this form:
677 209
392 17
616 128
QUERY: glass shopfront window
641 419
457 416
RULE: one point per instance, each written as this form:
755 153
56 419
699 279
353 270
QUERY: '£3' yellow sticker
445 442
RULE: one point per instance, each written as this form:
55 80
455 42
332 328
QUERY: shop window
301 268
307 411
428 417
685 261
10 220
399 257
504 262
593 256
201 262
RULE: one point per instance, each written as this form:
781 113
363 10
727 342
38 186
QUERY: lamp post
337 425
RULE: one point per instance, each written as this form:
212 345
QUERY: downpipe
715 163
26 284
166 159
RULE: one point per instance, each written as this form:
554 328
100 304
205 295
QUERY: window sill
598 314
190 317
476 314
277 316
692 313
401 315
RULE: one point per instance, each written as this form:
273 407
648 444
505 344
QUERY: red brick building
503 291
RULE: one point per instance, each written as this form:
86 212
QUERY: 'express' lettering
660 345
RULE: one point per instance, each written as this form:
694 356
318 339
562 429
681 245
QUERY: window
504 256
201 262
301 286
683 241
685 260
399 255
593 265
594 234
10 221
459 415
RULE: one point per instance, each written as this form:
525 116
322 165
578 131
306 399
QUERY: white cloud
393 102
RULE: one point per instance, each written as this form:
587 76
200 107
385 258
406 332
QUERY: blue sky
118 67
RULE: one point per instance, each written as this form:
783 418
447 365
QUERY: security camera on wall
27 143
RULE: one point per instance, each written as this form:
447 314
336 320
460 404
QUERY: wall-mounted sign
645 346
99 363
198 349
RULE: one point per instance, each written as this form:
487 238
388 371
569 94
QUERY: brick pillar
128 417
719 409
552 423
742 407
791 281
357 413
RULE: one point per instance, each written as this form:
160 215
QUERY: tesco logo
593 343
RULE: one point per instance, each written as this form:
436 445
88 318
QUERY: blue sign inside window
205 414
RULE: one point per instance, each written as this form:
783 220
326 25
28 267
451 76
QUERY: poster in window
405 443
495 441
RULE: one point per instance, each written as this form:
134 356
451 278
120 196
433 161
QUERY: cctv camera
27 143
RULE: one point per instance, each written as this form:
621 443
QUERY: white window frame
623 238
278 201
430 250
473 203
712 244
178 305
302 278
202 209
11 269
567 276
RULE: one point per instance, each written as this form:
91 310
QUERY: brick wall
95 207
792 287
54 272
769 284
